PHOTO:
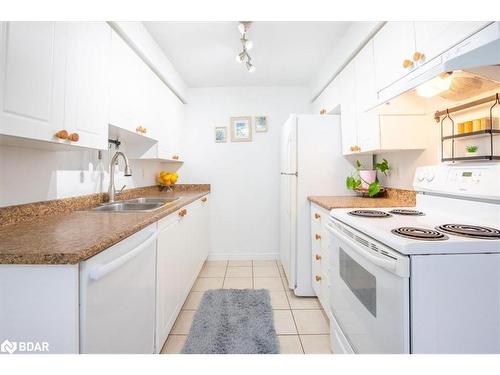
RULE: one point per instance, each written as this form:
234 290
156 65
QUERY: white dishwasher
117 297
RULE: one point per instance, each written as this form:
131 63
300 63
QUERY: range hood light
435 86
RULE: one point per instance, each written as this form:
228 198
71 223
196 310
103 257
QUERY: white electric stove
422 279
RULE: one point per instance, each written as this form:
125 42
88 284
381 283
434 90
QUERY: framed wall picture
220 134
260 124
241 129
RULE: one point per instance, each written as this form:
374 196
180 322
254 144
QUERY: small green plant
354 181
471 149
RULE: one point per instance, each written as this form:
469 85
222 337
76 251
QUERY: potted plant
366 179
471 150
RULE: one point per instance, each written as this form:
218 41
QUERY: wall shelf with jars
470 135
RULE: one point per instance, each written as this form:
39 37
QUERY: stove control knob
420 176
429 176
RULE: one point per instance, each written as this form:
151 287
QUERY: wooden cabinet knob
418 56
62 134
318 278
407 64
204 199
74 137
317 216
317 236
317 256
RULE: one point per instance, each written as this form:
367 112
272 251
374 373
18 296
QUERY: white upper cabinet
138 98
128 96
434 38
394 46
32 74
348 114
54 77
368 130
87 83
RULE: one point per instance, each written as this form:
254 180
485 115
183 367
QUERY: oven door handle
383 261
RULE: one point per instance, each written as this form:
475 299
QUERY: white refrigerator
311 164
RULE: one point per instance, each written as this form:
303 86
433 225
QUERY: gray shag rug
233 321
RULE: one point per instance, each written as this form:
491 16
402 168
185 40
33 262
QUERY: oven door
369 292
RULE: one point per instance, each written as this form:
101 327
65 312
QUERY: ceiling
284 53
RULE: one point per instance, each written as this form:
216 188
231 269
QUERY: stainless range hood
466 71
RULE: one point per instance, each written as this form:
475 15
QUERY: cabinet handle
317 236
62 134
407 64
317 216
318 257
204 199
417 56
74 137
318 278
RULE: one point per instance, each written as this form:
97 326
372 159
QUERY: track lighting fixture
247 45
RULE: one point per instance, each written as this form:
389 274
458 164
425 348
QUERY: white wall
244 176
31 175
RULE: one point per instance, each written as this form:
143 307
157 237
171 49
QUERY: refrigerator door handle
290 174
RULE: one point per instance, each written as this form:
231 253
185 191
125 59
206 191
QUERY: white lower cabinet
181 251
319 253
113 302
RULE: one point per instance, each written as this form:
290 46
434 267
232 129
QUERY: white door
171 250
393 44
348 117
127 96
32 72
369 293
287 227
87 83
368 129
289 146
434 37
117 297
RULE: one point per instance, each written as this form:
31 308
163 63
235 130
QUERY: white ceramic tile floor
300 324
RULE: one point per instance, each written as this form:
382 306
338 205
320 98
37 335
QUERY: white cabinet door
435 37
348 110
393 44
368 130
87 83
32 72
127 95
171 248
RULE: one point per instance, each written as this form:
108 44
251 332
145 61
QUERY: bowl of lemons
167 178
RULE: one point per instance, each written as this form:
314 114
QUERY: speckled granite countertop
69 238
393 198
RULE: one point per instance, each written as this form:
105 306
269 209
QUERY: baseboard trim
244 256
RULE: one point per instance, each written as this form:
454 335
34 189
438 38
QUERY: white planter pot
367 177
471 153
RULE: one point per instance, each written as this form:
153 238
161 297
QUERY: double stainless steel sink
143 204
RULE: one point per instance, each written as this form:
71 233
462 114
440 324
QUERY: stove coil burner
422 234
402 211
369 213
471 231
